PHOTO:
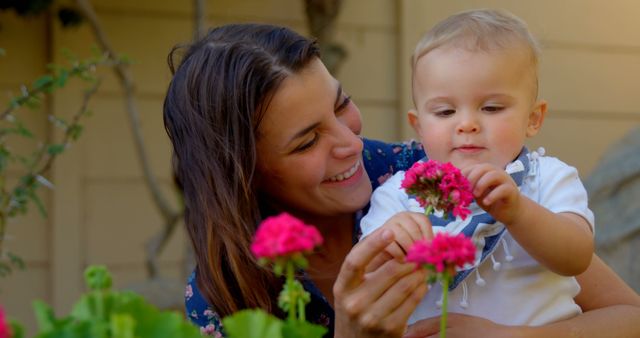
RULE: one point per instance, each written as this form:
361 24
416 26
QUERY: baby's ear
536 117
412 117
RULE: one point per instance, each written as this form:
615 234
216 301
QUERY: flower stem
292 295
301 311
429 210
445 293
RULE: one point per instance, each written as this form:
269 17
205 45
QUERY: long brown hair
212 112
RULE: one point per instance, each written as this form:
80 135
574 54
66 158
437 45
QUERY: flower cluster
5 330
284 235
281 241
439 186
445 252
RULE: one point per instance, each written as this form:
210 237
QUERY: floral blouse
381 160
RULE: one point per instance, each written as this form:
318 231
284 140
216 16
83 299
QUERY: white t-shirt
520 291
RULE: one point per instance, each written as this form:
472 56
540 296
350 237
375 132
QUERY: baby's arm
562 242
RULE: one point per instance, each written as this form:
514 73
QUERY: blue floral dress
381 161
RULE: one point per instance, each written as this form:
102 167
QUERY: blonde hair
480 30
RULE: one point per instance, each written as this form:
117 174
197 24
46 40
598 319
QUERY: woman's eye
345 103
306 145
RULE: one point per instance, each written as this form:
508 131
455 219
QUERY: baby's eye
492 109
445 112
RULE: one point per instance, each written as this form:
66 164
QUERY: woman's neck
325 262
334 229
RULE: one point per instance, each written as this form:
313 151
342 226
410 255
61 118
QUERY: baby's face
474 106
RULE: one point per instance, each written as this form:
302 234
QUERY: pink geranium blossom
284 235
5 329
439 186
445 252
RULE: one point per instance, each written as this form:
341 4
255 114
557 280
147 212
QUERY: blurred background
113 201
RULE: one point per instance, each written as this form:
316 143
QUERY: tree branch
170 215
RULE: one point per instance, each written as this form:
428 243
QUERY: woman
258 127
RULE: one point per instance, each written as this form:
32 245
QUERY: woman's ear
412 117
536 117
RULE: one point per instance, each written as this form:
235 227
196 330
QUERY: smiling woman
259 127
308 148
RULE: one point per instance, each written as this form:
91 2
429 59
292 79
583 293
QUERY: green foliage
104 313
297 329
15 200
252 324
17 330
292 299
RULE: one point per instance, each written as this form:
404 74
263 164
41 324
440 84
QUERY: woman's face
309 152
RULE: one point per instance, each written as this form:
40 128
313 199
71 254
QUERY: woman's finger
353 267
424 224
406 306
390 312
378 261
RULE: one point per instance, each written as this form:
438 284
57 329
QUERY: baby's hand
494 191
407 227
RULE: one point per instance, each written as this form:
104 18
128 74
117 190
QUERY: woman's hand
378 302
460 326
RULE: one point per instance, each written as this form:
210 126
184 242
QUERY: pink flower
439 186
5 329
284 235
445 252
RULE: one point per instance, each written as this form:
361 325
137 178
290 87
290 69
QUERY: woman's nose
347 143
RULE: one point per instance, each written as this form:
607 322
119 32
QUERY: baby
475 91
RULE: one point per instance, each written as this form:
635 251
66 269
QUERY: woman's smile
352 174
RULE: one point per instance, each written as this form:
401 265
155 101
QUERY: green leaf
16 260
44 82
23 131
3 52
15 103
122 326
74 131
17 330
252 324
297 329
44 316
98 277
38 202
125 59
55 149
32 102
62 78
5 157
